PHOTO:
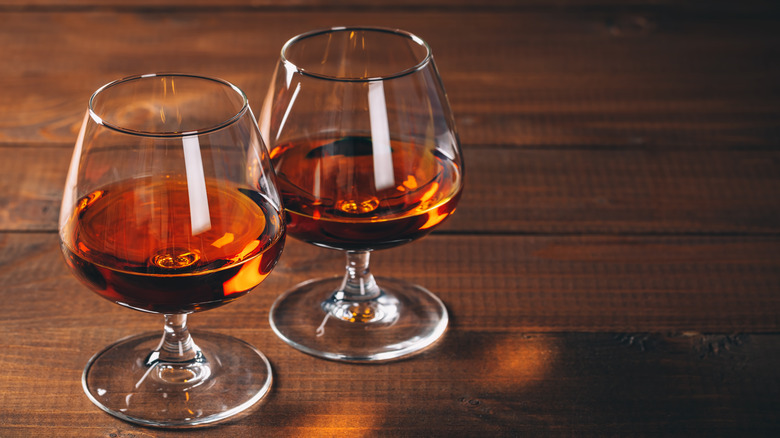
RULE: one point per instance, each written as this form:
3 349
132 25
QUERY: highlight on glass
367 156
171 207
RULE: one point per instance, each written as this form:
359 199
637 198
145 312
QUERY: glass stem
359 299
176 345
359 284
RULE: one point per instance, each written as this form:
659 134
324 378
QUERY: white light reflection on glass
287 111
380 137
200 220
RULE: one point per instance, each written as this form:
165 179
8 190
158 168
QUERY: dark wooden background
613 268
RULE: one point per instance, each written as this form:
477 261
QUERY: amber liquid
336 196
133 243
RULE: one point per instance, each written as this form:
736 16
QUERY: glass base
228 378
403 320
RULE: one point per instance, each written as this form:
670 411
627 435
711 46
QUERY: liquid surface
133 243
338 194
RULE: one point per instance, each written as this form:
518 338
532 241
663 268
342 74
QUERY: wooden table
613 268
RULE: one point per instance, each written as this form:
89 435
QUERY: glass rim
395 31
166 134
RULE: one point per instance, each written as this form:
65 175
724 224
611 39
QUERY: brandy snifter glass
171 207
364 146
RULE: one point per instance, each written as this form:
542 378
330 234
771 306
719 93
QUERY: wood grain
517 358
490 283
753 6
612 270
601 78
533 384
509 190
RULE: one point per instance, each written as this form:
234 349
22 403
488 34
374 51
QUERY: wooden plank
493 373
565 78
612 270
755 7
521 191
80 5
515 284
548 335
31 185
497 384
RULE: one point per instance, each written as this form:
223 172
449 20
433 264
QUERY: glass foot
227 377
402 320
